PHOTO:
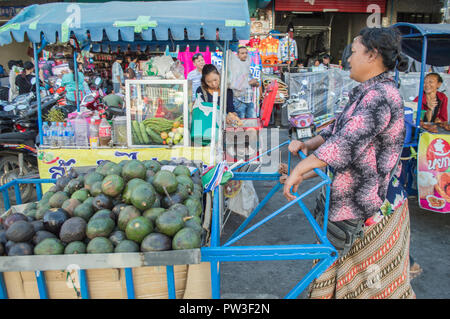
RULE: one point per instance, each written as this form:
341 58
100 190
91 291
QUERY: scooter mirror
22 107
9 107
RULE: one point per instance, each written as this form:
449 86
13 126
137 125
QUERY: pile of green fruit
129 206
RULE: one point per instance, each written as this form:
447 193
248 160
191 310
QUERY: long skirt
376 267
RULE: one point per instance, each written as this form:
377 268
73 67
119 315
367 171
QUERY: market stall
199 22
429 44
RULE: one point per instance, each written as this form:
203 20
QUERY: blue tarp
130 21
438 42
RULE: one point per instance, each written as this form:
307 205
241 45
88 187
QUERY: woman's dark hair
28 66
437 75
207 69
387 42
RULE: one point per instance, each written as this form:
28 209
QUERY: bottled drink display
46 134
61 138
70 135
93 132
104 132
81 131
54 135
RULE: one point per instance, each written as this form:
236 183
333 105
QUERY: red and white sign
360 6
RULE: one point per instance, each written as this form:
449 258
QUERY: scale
300 116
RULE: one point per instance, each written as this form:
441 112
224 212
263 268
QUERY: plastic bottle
61 139
81 131
70 135
46 134
54 135
93 132
104 132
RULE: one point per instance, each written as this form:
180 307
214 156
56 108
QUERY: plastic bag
245 201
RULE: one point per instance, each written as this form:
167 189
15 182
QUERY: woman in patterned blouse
361 149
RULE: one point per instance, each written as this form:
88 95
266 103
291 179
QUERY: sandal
414 271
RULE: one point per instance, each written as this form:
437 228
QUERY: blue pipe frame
324 251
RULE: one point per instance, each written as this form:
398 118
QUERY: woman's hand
292 181
295 146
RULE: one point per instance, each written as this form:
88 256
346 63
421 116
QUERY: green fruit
73 229
123 162
180 209
117 209
138 228
102 201
113 185
152 165
194 206
127 214
127 246
143 196
99 227
117 236
81 195
156 242
41 235
75 247
42 209
111 168
169 223
103 213
19 249
165 180
187 238
89 201
133 169
58 199
73 186
46 196
70 205
32 213
100 245
96 188
194 222
182 170
131 185
49 246
20 231
152 213
91 178
187 181
84 211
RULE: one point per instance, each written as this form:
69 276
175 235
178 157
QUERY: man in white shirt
196 75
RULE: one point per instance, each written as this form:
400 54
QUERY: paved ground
430 243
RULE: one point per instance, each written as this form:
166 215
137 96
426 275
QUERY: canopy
438 42
130 21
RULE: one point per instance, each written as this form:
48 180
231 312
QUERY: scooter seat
26 138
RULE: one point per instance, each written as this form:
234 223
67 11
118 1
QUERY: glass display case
158 112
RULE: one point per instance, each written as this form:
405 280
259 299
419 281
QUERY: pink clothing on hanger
186 58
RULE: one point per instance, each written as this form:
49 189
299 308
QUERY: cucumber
137 131
154 136
145 137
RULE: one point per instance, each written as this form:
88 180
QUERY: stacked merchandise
282 93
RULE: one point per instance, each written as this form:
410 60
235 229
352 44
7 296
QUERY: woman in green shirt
68 81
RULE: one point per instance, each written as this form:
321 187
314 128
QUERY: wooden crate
191 281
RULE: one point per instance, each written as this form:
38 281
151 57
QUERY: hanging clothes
186 59
287 50
268 48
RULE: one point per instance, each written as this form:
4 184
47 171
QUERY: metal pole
422 80
38 94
